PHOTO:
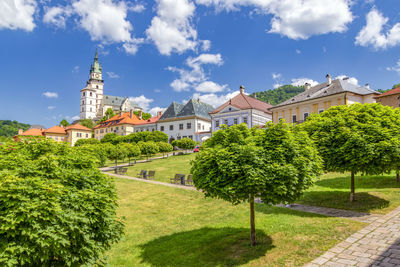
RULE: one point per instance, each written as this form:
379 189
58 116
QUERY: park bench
122 171
178 179
142 174
151 175
189 180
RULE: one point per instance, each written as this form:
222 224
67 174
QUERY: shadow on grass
364 202
280 210
205 247
361 182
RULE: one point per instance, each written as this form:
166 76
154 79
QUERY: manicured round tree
116 152
157 136
57 208
133 151
357 139
110 138
275 164
164 147
184 143
89 141
148 148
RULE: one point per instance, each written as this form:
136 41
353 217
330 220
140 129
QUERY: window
162 128
305 115
83 102
245 120
199 126
226 122
90 109
217 123
191 137
203 127
90 102
83 93
56 138
181 126
189 125
280 118
152 130
179 138
90 93
184 136
97 86
235 121
171 127
294 118
320 111
62 138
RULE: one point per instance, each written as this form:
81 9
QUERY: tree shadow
205 247
361 182
364 201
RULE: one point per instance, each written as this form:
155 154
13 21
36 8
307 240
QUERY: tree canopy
10 128
87 123
278 95
87 141
64 123
184 143
57 208
357 138
276 165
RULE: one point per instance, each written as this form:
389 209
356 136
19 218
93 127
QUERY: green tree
157 136
57 208
148 148
64 123
112 138
87 123
357 138
186 143
116 152
96 150
87 141
276 165
145 116
396 85
10 128
278 95
164 147
133 151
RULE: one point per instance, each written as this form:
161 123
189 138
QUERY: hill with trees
278 95
10 128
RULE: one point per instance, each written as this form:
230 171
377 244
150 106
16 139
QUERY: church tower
92 94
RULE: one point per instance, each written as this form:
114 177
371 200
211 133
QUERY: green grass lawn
175 227
375 194
110 163
165 168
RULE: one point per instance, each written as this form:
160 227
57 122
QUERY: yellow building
57 133
121 124
76 132
321 97
390 98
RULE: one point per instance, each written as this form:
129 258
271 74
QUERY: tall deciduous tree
64 123
133 151
87 123
276 165
116 152
357 138
164 147
148 148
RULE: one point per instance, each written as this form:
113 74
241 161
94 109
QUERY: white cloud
395 68
210 87
51 107
157 90
295 19
302 81
205 45
112 75
278 82
17 14
50 94
76 69
132 46
171 28
155 110
195 77
138 8
372 33
276 76
298 51
57 16
142 101
351 80
214 99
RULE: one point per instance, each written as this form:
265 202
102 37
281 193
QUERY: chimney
308 86
159 113
131 113
367 85
108 116
198 100
329 79
241 89
140 114
20 131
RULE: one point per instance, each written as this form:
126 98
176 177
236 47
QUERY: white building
149 125
241 109
94 103
191 120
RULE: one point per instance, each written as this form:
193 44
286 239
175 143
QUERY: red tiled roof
120 119
78 126
243 101
56 129
390 92
33 132
151 120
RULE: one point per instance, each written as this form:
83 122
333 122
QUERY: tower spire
96 56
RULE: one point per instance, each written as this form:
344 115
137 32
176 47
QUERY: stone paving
378 244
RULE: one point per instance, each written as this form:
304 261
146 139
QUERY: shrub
89 141
164 147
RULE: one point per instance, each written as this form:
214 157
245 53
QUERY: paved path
352 215
378 244
110 168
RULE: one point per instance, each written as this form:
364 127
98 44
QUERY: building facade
149 125
390 98
121 124
241 109
321 97
93 102
191 120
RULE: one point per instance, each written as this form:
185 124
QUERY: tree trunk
129 161
397 176
252 223
116 163
352 187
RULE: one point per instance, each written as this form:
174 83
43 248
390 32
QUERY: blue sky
171 50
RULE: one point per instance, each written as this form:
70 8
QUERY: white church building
94 103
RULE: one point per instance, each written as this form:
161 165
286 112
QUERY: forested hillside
278 95
10 128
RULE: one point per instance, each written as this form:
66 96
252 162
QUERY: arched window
83 93
90 93
97 86
83 109
83 102
90 109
